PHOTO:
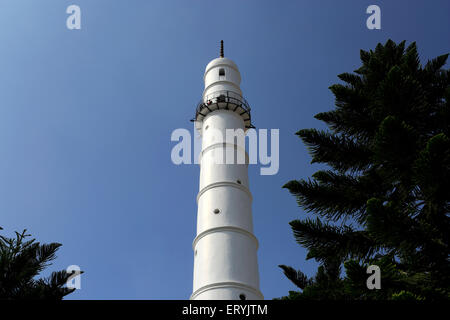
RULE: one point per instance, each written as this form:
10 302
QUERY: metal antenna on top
221 48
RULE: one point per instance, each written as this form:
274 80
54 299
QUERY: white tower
225 259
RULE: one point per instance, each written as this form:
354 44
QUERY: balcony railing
224 100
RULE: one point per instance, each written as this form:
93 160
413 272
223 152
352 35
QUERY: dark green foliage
21 261
386 198
297 277
326 285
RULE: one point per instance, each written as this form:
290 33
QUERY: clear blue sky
86 117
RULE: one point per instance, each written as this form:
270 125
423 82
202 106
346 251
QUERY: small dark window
221 72
242 296
221 98
239 181
216 211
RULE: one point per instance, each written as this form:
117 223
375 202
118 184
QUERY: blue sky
86 117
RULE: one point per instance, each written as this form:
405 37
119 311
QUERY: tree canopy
21 261
384 198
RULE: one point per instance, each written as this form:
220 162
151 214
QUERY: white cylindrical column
225 248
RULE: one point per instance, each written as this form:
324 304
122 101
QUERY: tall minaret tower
225 259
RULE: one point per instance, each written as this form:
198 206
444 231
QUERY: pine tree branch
328 243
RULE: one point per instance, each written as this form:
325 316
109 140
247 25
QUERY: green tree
326 285
384 198
21 261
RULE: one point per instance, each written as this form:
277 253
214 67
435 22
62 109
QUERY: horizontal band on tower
224 144
224 228
222 82
228 284
224 184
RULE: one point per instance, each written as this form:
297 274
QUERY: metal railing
229 97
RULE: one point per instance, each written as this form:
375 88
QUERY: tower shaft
225 248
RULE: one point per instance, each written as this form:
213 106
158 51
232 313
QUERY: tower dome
222 74
222 91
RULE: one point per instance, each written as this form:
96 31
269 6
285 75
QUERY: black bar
191 310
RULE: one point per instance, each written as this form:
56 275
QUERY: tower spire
221 48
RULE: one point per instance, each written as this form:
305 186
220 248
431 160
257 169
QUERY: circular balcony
224 100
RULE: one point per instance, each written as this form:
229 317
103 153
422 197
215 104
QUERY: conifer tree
385 197
21 261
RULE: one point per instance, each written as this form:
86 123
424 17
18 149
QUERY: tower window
242 296
221 72
216 211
